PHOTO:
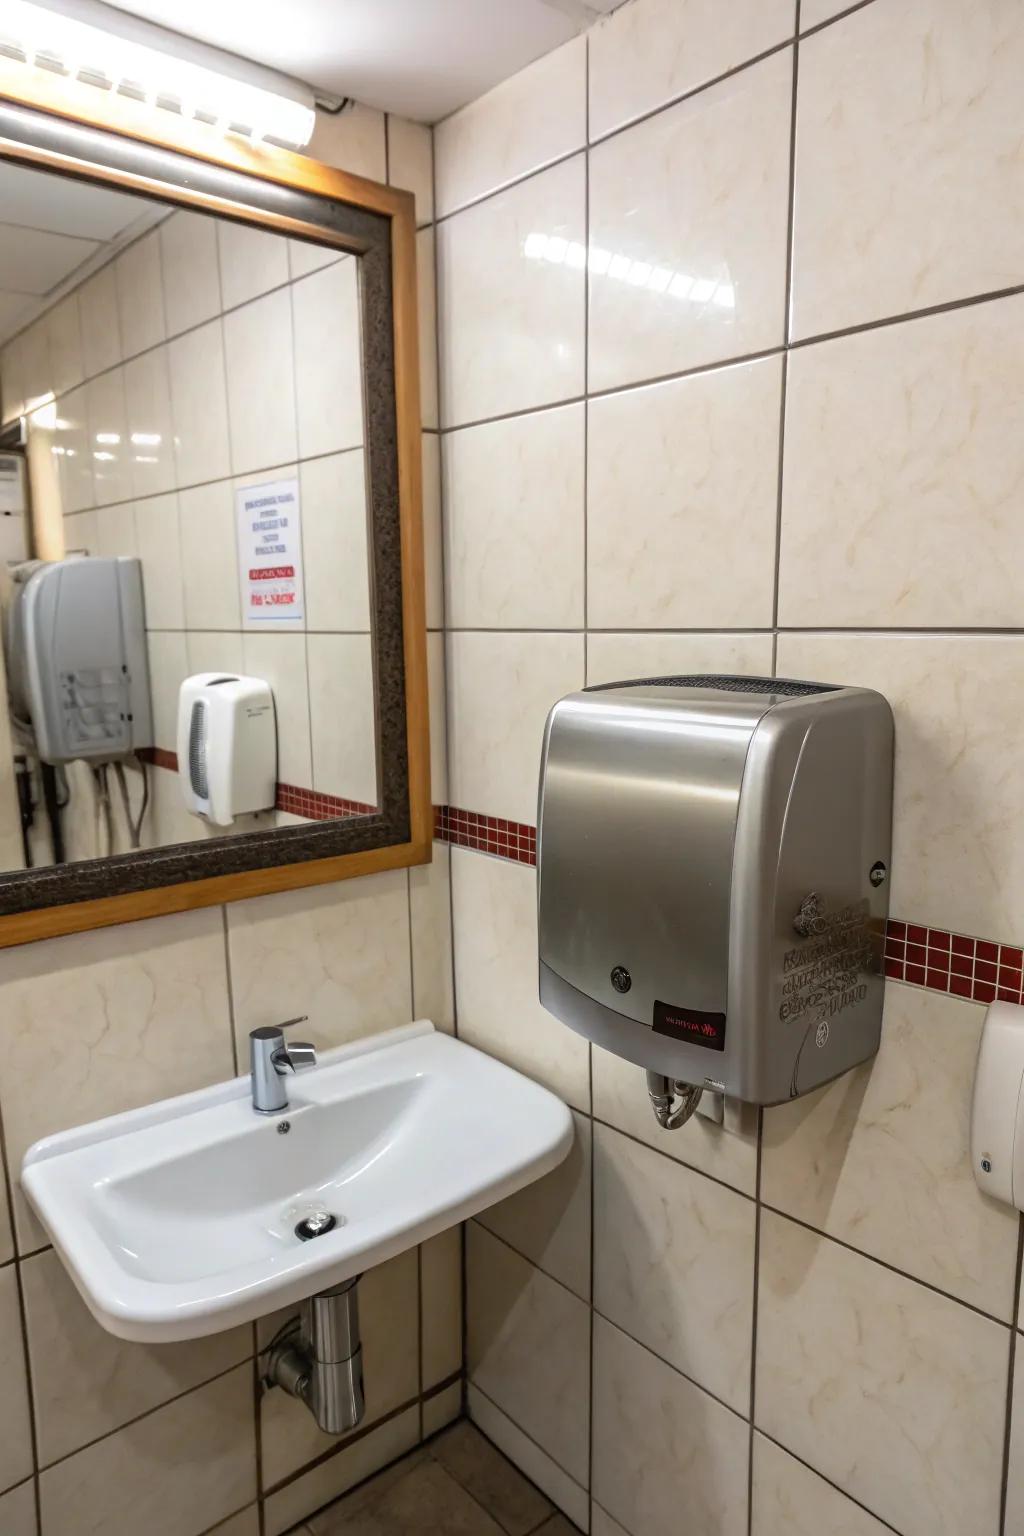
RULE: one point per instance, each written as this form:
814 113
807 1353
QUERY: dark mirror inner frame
307 205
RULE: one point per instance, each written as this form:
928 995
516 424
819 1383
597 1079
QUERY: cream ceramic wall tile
171 1473
511 309
918 175
500 689
433 981
791 1500
259 363
101 334
527 1455
881 1159
514 522
80 533
199 405
37 373
680 527
281 660
442 1410
549 1222
910 439
433 542
522 125
214 650
437 681
76 483
150 446
602 1524
441 1302
674 1263
389 1320
661 1445
426 294
331 1478
64 331
957 861
12 390
158 542
85 1382
343 717
191 271
527 1349
304 257
494 912
252 261
1014 1520
411 163
140 298
837 1331
207 519
115 529
6 1230
18 1510
612 657
328 359
353 140
688 231
108 437
15 1427
95 1023
814 12
334 532
339 953
245 1523
168 668
647 54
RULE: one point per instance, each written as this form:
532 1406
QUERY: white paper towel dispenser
713 857
227 746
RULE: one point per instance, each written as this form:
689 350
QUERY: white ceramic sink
178 1220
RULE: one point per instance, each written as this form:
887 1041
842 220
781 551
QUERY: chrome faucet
270 1059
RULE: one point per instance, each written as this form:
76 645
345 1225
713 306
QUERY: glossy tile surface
881 1159
615 657
329 359
661 1444
511 308
791 1500
515 522
706 556
644 56
919 174
835 1329
688 231
15 1416
910 440
537 116
549 1222
261 400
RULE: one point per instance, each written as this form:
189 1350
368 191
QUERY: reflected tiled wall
176 1440
730 381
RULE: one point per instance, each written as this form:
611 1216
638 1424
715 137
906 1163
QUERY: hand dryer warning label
270 553
827 973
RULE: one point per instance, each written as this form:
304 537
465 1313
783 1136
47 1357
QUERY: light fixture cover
89 40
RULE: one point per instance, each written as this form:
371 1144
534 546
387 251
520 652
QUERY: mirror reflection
185 568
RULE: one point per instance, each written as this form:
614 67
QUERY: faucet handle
300 1018
297 1056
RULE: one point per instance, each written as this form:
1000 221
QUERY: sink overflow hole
315 1225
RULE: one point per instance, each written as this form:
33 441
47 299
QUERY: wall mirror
210 550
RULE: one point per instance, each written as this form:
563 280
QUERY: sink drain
315 1225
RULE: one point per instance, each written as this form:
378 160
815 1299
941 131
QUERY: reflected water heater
713 858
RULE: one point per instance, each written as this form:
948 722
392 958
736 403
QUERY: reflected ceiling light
91 41
640 274
146 439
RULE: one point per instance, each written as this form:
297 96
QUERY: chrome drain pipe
319 1358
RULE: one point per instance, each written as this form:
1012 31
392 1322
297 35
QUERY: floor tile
427 1501
491 1479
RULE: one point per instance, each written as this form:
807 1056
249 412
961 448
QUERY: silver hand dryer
713 860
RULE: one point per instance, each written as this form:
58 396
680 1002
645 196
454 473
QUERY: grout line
586 356
6 1190
352 1438
257 1427
419 1335
753 1310
831 20
526 1436
1011 1369
827 1480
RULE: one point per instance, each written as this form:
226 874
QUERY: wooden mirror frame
52 123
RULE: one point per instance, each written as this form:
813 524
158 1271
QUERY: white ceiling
419 58
51 232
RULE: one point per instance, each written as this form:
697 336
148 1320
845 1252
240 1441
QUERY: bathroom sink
179 1219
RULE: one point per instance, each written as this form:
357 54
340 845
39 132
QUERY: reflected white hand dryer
227 746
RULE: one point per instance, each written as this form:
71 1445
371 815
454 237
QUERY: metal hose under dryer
663 1092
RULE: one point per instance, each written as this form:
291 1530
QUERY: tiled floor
457 1485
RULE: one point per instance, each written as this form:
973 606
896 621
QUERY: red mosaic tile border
978 969
513 840
310 803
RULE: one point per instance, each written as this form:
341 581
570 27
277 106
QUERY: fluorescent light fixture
106 47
